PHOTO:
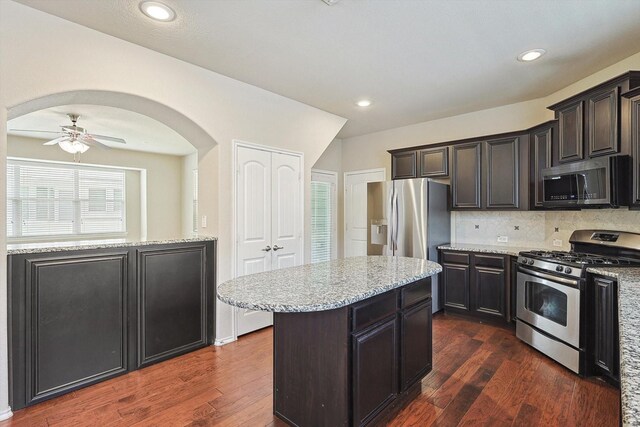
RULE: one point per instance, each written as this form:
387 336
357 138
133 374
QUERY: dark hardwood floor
483 375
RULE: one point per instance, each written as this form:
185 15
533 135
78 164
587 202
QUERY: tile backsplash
537 229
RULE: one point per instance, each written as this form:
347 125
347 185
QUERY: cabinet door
542 140
375 370
571 133
635 141
502 173
172 297
434 162
456 286
466 179
489 290
76 328
403 165
605 325
603 123
416 346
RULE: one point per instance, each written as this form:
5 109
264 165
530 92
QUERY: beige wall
331 160
189 163
163 183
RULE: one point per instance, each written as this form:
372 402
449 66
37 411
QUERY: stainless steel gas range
550 296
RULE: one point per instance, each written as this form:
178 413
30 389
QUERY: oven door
550 304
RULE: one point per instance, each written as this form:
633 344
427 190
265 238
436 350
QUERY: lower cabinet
477 284
416 338
603 352
81 317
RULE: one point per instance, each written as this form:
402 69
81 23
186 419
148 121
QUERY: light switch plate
503 239
557 242
203 222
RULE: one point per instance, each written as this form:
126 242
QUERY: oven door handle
557 279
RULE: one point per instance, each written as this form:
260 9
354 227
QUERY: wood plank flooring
483 375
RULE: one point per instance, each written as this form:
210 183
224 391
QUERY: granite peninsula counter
352 337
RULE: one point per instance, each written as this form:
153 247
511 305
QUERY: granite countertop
325 285
44 247
629 321
492 249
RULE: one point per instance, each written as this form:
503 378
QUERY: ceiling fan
75 139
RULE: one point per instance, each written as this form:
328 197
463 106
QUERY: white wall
36 61
331 160
164 183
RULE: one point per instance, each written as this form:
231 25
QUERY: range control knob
559 268
568 270
531 262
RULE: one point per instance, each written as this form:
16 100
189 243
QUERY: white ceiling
141 132
417 60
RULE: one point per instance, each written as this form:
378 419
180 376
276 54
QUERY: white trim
331 177
236 143
225 341
58 162
6 414
344 195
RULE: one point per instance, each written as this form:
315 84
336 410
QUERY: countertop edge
489 249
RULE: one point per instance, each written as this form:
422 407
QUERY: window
195 201
51 199
323 216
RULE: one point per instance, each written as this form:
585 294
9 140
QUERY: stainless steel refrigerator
409 218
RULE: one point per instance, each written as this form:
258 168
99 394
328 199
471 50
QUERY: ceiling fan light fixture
157 11
73 147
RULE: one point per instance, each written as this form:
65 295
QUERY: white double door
269 218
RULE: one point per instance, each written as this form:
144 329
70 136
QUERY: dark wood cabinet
404 165
635 143
433 162
375 370
416 349
542 156
603 320
502 173
466 176
477 284
603 122
80 317
571 128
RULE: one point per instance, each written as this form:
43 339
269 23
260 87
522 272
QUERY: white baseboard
224 341
6 414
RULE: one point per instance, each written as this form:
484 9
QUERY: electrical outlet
203 222
557 242
503 239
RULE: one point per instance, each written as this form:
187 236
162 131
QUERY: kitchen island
352 337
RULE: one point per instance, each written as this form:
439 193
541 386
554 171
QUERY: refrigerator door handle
395 223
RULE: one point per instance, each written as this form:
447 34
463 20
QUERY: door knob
267 249
276 247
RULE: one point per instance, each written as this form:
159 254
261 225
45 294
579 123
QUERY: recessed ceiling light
531 55
158 11
363 103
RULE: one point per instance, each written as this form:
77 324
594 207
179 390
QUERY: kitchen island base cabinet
355 365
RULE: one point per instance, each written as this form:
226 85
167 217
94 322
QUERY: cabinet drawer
415 292
455 258
371 311
489 261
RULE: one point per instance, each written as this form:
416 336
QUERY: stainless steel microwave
594 183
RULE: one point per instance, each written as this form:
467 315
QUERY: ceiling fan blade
88 140
33 130
107 138
56 141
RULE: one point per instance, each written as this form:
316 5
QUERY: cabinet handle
267 249
276 247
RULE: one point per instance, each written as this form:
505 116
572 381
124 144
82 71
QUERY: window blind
50 199
321 221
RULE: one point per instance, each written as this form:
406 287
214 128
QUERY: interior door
355 207
286 229
253 218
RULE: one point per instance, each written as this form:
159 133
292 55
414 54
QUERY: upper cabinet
633 99
466 178
433 162
595 122
403 165
543 141
571 132
502 161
